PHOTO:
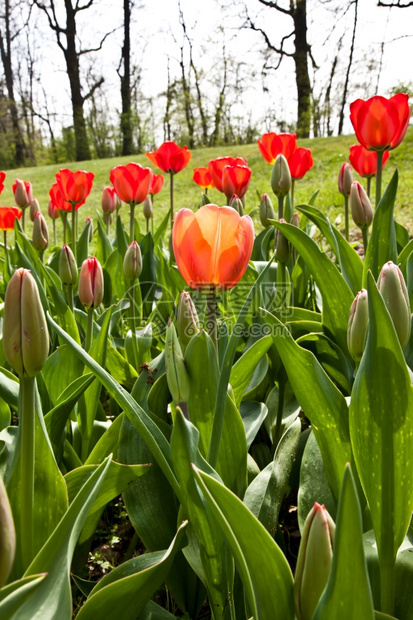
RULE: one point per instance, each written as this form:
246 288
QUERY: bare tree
125 83
350 61
400 4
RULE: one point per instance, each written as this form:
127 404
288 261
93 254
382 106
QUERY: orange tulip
272 144
74 186
131 182
380 124
202 177
2 177
157 184
213 246
235 180
216 168
300 162
365 162
170 157
8 215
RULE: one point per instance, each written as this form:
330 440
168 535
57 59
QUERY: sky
155 25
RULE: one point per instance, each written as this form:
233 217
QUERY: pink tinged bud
237 204
176 373
7 535
52 211
108 199
67 266
90 288
266 211
34 208
89 221
280 176
40 234
25 335
187 319
148 208
361 209
132 262
345 179
393 289
22 193
357 325
282 245
313 562
295 220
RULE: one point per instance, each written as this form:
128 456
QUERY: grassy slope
328 155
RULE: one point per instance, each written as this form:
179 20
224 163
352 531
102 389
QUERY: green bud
345 179
187 320
40 234
7 535
25 335
34 208
393 289
67 266
357 325
237 204
132 262
176 373
280 176
89 222
282 245
266 211
295 220
361 209
313 562
148 208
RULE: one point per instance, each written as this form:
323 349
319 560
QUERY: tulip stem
132 222
74 230
387 582
27 429
211 317
171 197
89 329
280 407
379 174
70 299
64 218
346 218
292 193
5 240
133 324
280 207
365 233
24 219
368 189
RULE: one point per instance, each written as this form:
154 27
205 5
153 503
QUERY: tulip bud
345 179
295 220
40 234
22 193
266 211
313 562
148 208
7 535
176 373
132 262
357 325
360 205
52 211
187 320
89 220
25 335
236 203
90 289
108 199
281 176
67 266
393 289
282 245
34 208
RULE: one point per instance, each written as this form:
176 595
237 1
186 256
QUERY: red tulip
8 215
157 184
213 246
380 124
2 177
170 157
57 199
365 162
22 191
108 199
235 180
74 186
300 162
272 144
131 182
216 168
202 177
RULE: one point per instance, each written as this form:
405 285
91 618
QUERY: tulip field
208 414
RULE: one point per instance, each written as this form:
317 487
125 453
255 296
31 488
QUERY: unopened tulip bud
236 203
282 245
25 335
313 562
148 208
345 179
40 234
187 320
360 205
176 373
7 535
132 262
108 199
34 208
67 266
281 176
393 289
22 193
295 220
266 211
90 288
52 211
89 221
357 325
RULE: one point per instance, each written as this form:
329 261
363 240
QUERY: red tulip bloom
131 182
213 246
8 215
22 191
2 177
235 180
300 162
380 124
74 186
170 157
272 144
57 198
216 168
365 162
203 178
157 184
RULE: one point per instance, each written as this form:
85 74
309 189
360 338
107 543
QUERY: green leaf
56 380
9 387
253 415
16 593
347 594
332 359
244 367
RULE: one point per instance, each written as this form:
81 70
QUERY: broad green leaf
103 244
347 594
16 593
114 267
332 359
148 279
55 377
381 422
82 245
253 415
244 367
265 573
108 443
9 387
290 411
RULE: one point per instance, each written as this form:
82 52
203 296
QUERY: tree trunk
345 90
125 85
300 55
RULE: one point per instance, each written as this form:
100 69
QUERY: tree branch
393 3
95 86
274 5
